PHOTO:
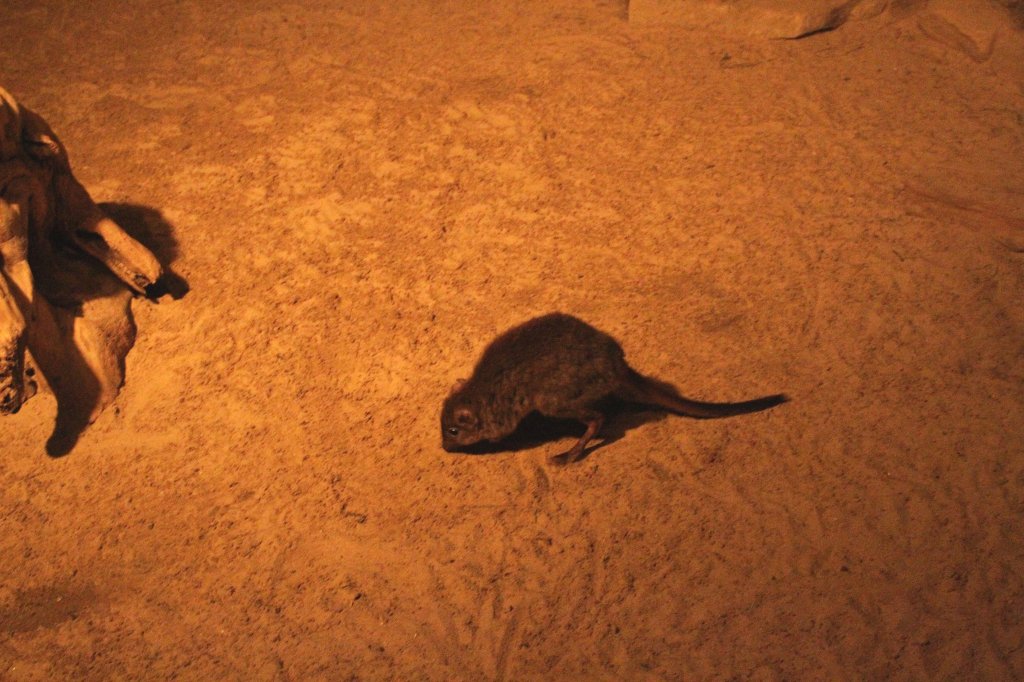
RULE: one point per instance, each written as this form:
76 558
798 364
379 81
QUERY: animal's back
555 357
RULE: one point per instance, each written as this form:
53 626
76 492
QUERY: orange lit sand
363 197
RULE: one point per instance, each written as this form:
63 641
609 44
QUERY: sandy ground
361 195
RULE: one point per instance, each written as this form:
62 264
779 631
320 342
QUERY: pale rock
761 18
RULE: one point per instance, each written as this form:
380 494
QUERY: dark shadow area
536 429
83 305
77 389
47 607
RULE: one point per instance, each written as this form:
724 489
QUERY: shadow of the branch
536 430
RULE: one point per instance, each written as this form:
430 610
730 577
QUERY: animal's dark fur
561 367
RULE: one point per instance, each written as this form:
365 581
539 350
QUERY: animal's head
460 422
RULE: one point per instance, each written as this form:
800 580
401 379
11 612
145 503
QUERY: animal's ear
459 383
464 417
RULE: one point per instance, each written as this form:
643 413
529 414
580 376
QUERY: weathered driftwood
63 315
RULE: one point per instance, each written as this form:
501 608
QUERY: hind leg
593 419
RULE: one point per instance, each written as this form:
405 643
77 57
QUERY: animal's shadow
536 429
83 295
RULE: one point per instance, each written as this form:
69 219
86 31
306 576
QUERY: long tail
641 389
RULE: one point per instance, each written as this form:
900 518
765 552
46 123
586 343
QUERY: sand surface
360 195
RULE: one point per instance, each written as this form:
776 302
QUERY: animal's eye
452 431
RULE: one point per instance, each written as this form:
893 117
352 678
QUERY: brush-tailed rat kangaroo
561 367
